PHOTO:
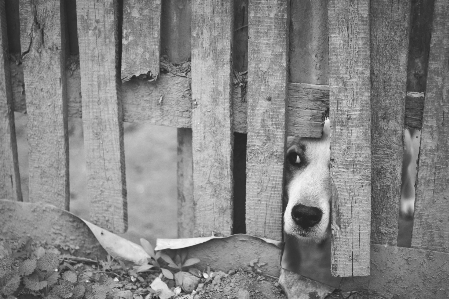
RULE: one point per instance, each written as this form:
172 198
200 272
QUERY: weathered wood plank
307 109
176 30
389 49
9 165
309 42
398 272
349 80
186 204
102 112
414 106
267 94
141 38
212 30
431 224
142 102
43 51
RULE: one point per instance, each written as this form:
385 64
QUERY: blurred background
150 155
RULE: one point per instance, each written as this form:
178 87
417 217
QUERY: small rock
125 294
243 294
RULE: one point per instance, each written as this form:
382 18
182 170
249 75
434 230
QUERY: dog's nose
306 217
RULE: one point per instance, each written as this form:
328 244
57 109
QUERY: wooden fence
216 69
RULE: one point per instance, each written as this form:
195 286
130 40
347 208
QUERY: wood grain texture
43 54
267 94
102 113
176 30
212 24
349 80
414 106
142 102
309 42
9 165
186 204
398 272
389 49
308 105
141 34
431 224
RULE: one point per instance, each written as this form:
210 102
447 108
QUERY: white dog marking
308 190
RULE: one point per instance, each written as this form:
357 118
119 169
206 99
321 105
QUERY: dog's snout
306 217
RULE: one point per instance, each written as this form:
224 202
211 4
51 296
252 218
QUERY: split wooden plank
212 139
431 224
43 52
141 38
267 94
9 165
349 80
389 49
102 112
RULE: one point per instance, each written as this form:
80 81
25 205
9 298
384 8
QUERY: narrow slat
102 112
141 38
43 52
175 29
309 42
186 205
431 223
9 165
388 92
349 80
212 23
267 94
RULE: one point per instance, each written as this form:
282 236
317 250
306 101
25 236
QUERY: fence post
42 35
267 97
9 165
102 112
431 224
350 113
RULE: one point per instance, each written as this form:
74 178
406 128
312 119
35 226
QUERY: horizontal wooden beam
167 101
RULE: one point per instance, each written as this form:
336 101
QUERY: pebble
243 294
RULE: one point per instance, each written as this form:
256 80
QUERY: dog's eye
294 158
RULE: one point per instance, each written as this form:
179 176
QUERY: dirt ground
241 284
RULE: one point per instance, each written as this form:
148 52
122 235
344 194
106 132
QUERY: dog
307 193
308 199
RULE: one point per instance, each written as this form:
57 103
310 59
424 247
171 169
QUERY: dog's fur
308 183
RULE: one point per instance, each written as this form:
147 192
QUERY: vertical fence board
349 80
102 112
186 207
43 44
212 23
175 29
309 44
175 43
141 38
431 223
389 49
267 93
9 165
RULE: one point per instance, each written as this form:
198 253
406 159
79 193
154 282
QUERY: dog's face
308 191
